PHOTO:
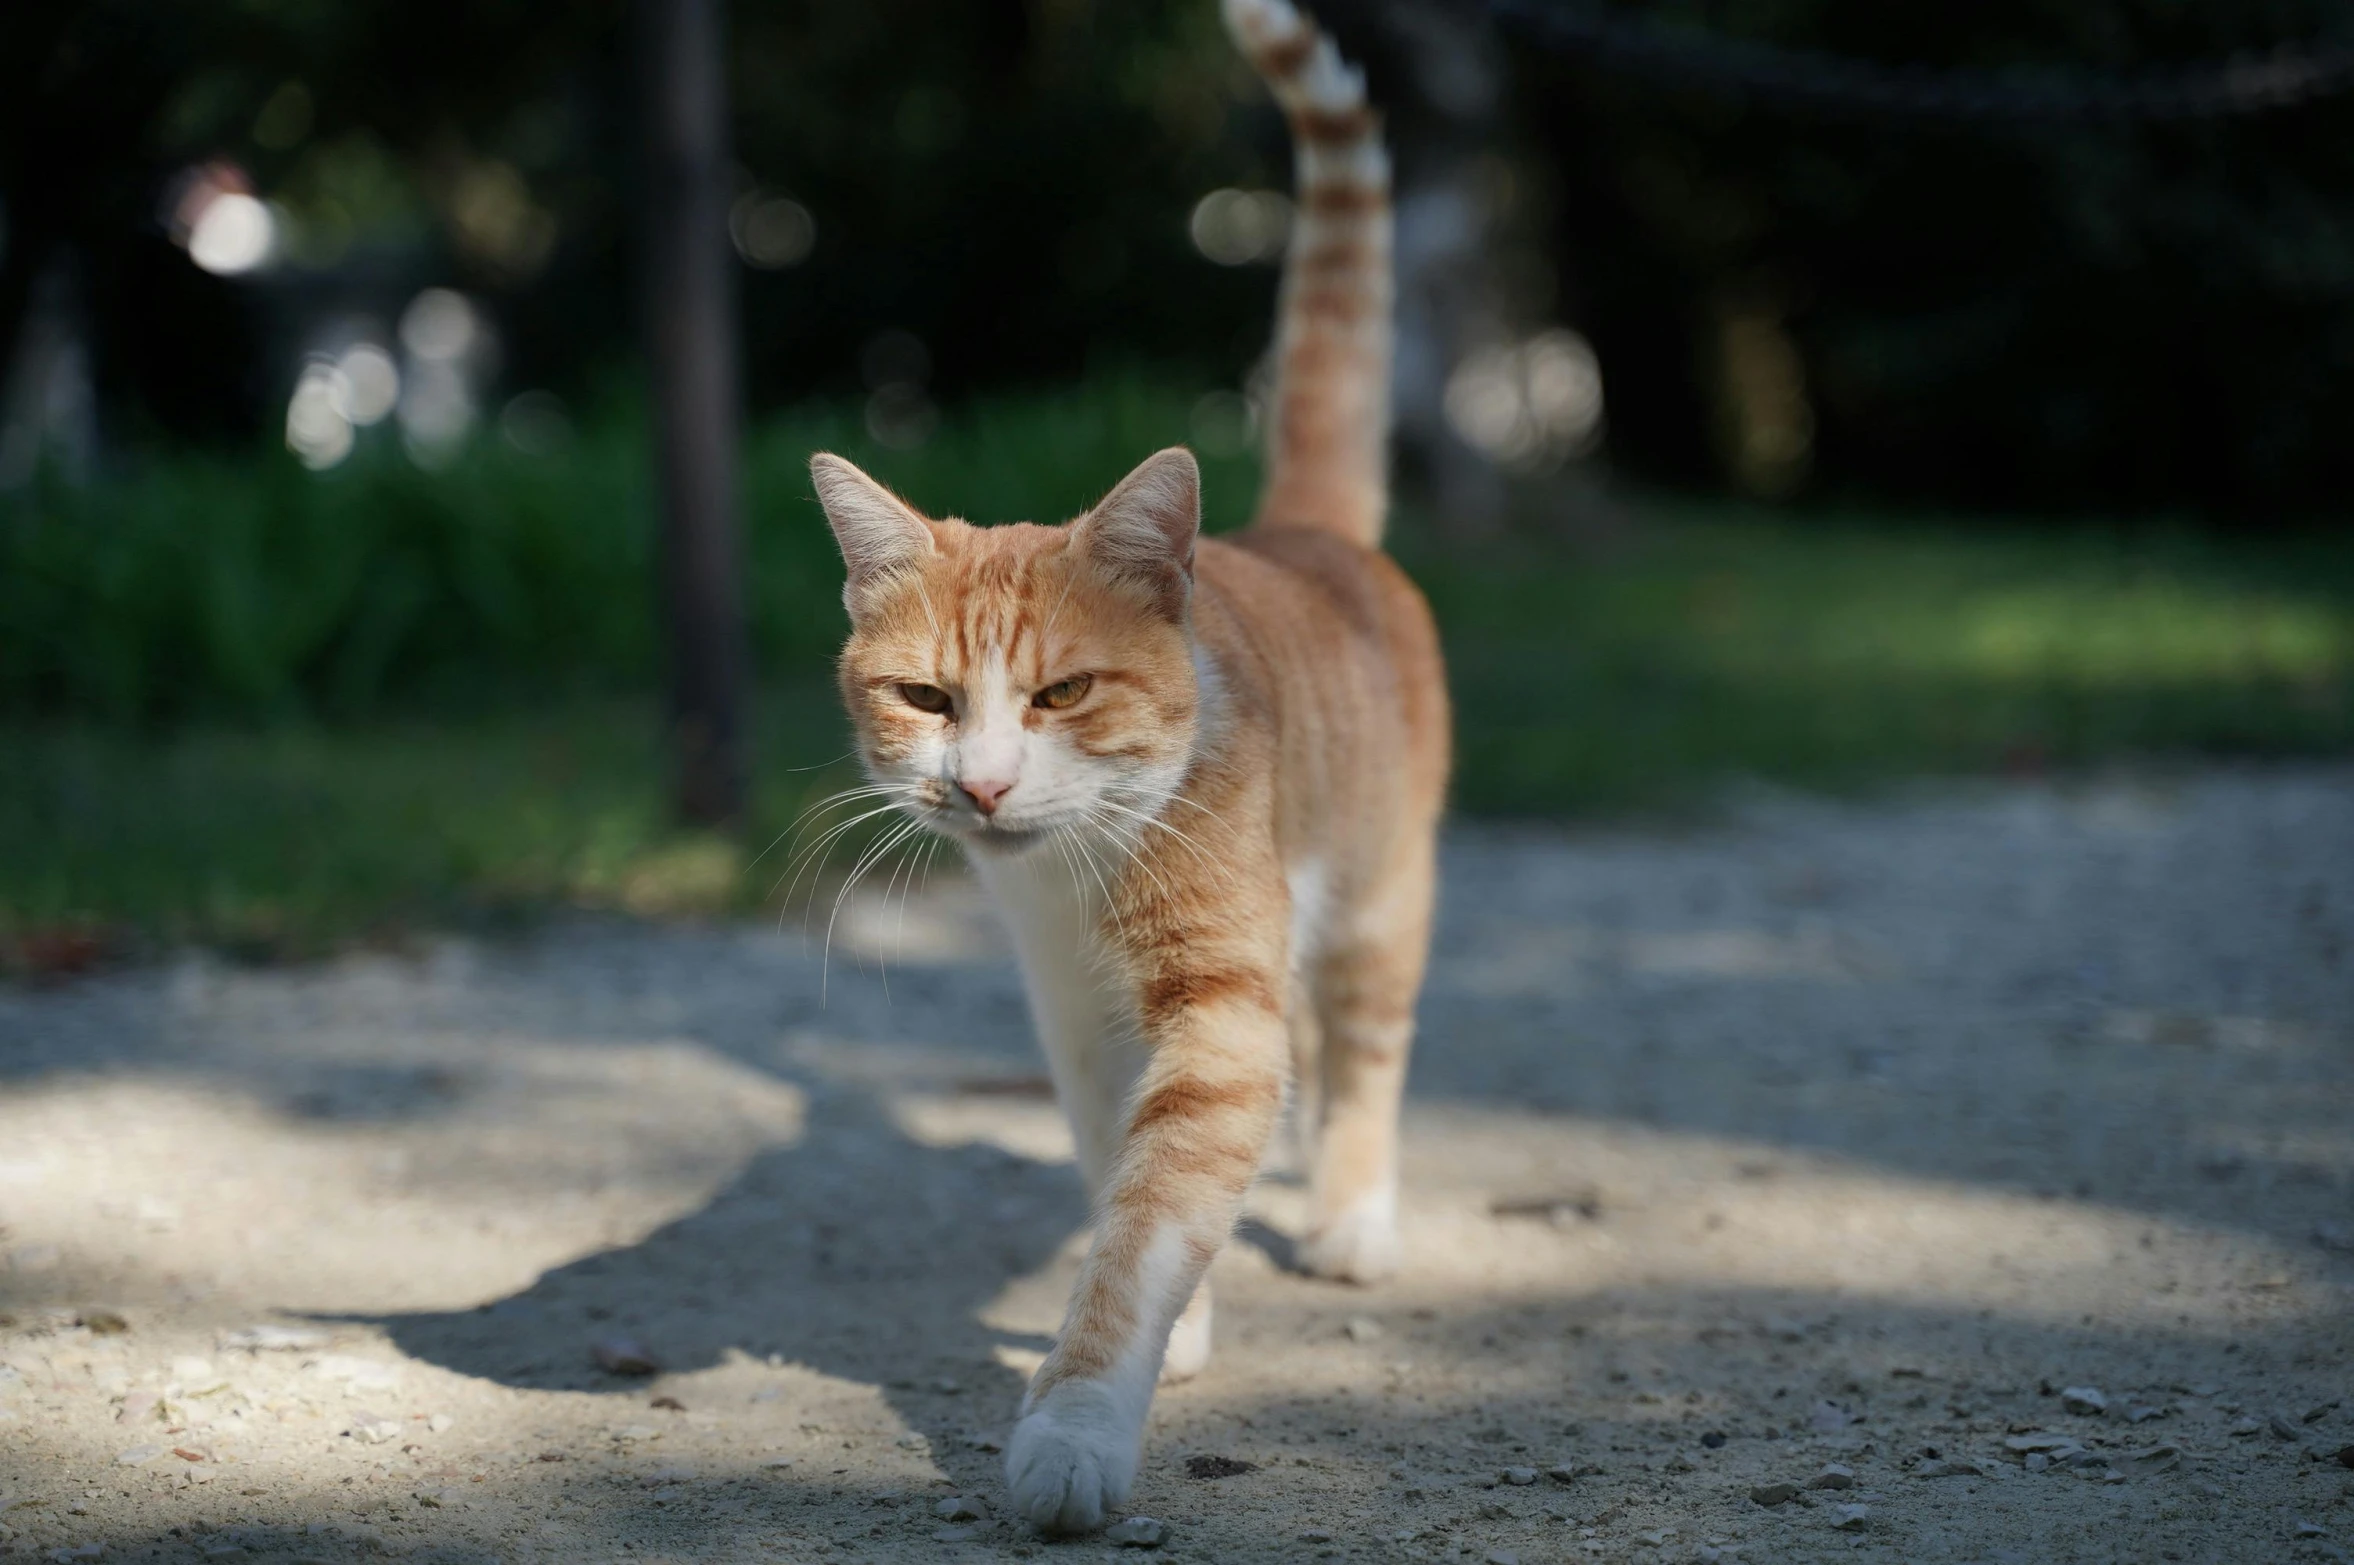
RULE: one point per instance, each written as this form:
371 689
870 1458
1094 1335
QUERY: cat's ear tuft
880 534
1146 527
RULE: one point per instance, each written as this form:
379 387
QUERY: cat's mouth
994 834
1007 840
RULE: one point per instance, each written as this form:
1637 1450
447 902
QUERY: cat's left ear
1145 528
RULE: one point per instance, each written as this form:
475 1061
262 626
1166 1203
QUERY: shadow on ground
1845 1134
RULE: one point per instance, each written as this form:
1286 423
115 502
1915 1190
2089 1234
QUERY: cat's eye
1063 692
924 698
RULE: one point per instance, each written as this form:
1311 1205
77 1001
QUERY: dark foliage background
2041 316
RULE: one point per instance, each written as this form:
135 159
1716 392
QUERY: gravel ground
1832 1136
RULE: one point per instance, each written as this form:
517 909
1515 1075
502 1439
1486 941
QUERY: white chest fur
1052 900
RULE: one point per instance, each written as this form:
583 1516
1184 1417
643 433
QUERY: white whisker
874 855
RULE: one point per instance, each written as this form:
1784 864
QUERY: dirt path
1839 1135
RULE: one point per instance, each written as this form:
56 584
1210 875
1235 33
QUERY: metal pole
691 351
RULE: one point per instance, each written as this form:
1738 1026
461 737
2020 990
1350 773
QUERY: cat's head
1009 681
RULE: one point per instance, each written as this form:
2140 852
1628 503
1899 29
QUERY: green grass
248 706
1840 651
291 839
213 588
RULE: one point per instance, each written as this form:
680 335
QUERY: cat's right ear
879 533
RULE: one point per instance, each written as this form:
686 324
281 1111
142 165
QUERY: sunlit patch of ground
1842 1135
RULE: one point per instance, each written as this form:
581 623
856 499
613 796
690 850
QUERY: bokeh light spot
1528 404
1238 227
318 431
371 383
536 423
440 325
233 233
771 231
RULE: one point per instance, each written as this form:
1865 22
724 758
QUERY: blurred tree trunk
691 348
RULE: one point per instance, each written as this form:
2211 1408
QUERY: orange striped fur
1329 446
1202 778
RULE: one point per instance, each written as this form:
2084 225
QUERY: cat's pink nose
985 792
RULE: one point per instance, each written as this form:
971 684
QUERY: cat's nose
985 792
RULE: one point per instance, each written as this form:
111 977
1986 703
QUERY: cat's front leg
1203 1111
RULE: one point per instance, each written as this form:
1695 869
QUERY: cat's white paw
1357 1244
1189 1340
1072 1458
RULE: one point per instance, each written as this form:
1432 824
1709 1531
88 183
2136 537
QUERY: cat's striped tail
1328 441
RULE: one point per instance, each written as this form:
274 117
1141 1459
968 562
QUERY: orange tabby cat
1202 777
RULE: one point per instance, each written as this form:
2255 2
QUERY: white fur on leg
1356 1244
1073 1456
1189 1340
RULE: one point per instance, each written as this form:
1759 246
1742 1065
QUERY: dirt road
1837 1135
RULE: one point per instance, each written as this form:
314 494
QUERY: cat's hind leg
1364 986
1189 1340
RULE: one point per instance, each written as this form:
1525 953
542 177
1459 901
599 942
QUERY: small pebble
911 1441
1851 1518
2087 1400
374 1428
1315 1535
963 1508
955 1534
2040 1440
2306 1529
2244 1428
1363 1329
1518 1477
623 1356
440 1423
137 1454
1137 1532
1714 1440
1949 1469
1774 1493
1833 1476
1500 1557
2345 1455
984 1443
2282 1429
1571 1472
1680 1464
197 1375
